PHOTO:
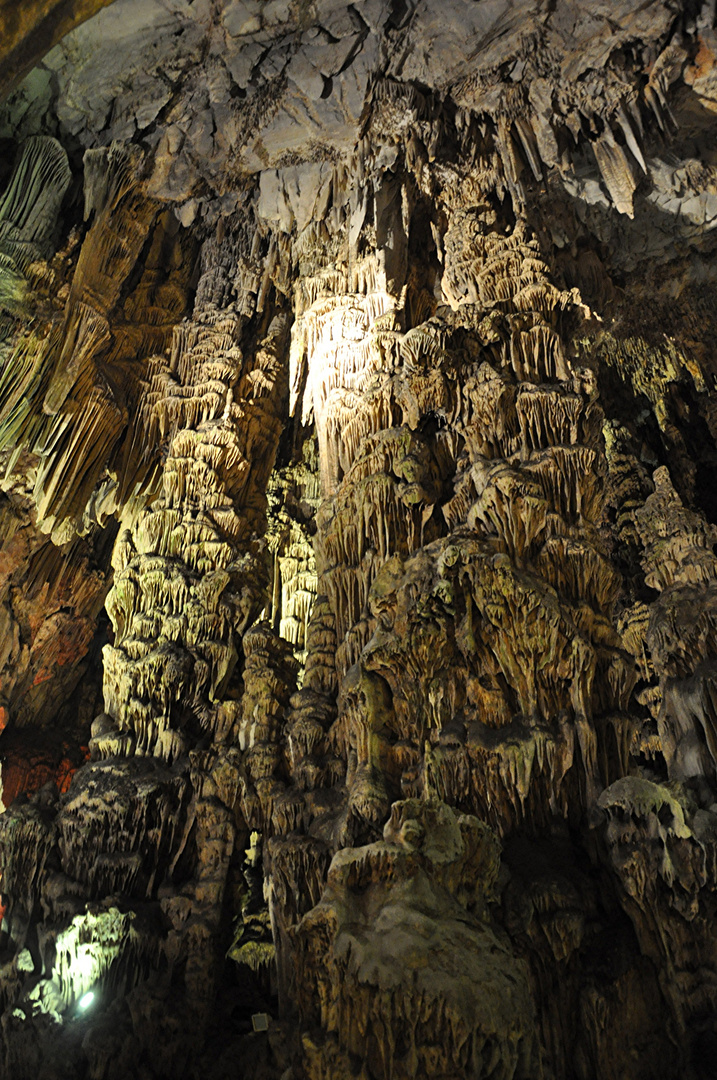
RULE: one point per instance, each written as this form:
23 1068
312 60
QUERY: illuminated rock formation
189 577
357 541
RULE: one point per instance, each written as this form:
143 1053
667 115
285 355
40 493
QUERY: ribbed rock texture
358 532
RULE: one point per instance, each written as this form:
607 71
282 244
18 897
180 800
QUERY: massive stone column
466 594
163 789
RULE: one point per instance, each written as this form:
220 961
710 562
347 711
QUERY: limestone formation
358 540
397 965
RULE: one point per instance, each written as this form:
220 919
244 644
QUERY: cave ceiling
358 540
218 94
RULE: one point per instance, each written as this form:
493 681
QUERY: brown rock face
358 515
29 30
398 964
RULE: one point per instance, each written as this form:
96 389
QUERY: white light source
86 1000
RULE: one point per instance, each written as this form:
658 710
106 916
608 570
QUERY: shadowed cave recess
358 533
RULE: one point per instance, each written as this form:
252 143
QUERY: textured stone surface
29 30
357 568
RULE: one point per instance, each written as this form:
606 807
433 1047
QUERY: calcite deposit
358 540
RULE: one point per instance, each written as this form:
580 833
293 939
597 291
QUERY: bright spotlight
86 1000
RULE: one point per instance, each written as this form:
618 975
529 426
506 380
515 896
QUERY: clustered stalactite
342 476
462 465
72 397
294 496
189 576
190 579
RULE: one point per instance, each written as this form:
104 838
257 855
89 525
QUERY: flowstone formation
399 965
358 529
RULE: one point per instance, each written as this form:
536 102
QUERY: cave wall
357 543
